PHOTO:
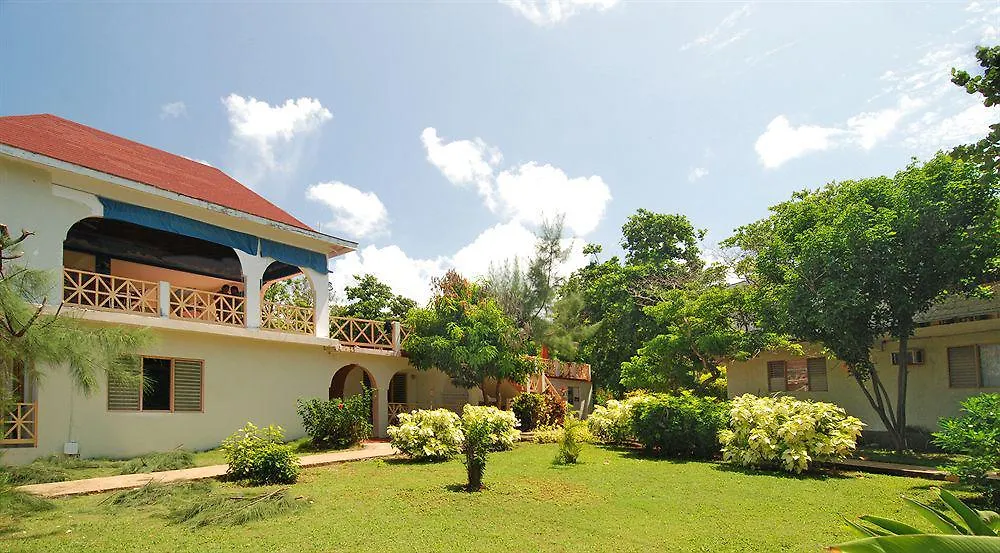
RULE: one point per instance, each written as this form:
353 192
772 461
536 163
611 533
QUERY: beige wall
929 396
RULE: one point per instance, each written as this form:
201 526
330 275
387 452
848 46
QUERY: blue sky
438 134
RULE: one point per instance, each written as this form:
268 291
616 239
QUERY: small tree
31 338
466 335
372 299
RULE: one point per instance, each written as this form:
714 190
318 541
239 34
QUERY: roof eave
340 245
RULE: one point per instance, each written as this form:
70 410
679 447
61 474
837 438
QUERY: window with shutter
796 376
397 388
188 376
963 370
776 376
817 374
123 394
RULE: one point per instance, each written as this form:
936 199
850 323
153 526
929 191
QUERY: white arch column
253 274
321 294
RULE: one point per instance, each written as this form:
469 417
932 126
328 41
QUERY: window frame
173 383
784 376
978 364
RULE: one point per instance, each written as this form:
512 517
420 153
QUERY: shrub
683 425
975 433
428 435
337 423
528 408
787 433
486 429
546 434
574 434
554 410
258 457
612 423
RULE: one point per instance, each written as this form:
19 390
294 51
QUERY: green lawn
613 501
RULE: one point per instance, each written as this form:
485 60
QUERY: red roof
81 145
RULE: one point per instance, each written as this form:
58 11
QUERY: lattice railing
19 426
555 368
111 293
396 409
211 307
361 332
288 318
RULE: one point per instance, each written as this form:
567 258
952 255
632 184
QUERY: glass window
156 384
989 365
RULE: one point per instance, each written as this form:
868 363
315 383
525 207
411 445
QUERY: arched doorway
402 394
349 380
287 299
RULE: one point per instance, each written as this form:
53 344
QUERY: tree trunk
900 430
498 393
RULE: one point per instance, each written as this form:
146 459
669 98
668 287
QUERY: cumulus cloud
697 173
269 140
463 162
355 213
173 110
532 193
724 33
549 12
925 111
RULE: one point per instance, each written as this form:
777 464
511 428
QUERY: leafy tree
857 260
465 334
290 291
700 326
986 152
661 253
373 299
31 338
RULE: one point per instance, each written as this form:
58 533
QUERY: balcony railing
362 333
396 409
287 318
555 368
210 307
19 426
110 293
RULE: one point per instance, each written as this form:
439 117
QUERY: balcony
19 425
554 368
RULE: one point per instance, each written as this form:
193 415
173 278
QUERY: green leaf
862 530
892 526
940 520
970 517
920 543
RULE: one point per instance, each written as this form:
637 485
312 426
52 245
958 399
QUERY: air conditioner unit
913 357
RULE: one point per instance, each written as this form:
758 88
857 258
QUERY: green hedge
681 425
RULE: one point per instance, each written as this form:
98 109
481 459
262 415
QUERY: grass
933 460
612 500
59 468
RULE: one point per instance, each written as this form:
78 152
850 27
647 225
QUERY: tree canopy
465 334
370 298
986 152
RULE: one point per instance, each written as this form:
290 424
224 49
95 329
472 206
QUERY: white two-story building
140 237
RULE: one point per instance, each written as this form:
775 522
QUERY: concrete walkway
895 469
370 450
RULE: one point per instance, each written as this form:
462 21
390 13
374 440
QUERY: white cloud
268 139
463 162
532 193
411 277
722 35
173 110
549 12
751 61
782 142
357 214
697 173
934 132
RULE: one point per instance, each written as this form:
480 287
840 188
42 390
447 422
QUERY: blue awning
177 224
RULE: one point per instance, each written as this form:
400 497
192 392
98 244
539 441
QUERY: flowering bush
787 433
683 425
976 434
337 423
259 457
428 435
486 429
546 434
612 422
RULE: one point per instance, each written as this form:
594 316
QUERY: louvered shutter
817 374
123 393
776 376
188 382
963 371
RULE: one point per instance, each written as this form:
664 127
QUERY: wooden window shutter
817 374
397 388
776 376
963 368
124 393
188 385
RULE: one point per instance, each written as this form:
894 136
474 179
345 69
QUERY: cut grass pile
611 501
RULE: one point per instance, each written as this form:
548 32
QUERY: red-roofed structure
71 142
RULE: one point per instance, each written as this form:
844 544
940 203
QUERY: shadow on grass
824 473
406 461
